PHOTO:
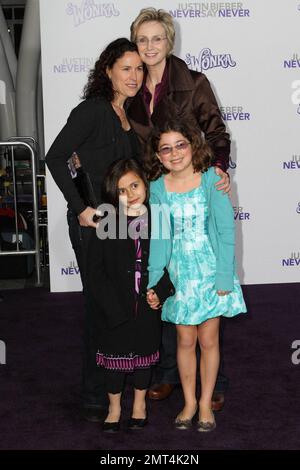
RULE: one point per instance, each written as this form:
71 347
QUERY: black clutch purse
82 181
84 186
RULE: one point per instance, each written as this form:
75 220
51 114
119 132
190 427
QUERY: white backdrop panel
250 52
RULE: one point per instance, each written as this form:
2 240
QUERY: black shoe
94 414
160 391
137 423
111 427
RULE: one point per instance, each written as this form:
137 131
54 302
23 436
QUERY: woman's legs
208 337
187 366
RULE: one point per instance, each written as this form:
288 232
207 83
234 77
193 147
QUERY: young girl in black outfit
129 337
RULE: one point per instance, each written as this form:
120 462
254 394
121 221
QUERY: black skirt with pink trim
126 363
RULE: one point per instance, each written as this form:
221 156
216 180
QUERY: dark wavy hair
115 171
201 151
99 83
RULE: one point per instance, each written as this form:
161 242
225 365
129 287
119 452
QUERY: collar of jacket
179 79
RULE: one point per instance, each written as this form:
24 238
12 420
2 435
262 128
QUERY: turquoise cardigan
221 231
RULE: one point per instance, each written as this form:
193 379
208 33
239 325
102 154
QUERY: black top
123 328
94 132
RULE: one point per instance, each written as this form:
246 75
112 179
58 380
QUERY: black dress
130 332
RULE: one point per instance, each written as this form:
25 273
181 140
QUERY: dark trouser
94 392
141 379
166 371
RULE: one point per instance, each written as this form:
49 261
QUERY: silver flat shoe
183 423
206 426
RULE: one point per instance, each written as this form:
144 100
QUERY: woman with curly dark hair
97 133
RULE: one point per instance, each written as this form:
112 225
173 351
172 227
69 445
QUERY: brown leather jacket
189 93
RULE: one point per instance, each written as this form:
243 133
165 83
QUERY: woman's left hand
221 293
224 183
85 217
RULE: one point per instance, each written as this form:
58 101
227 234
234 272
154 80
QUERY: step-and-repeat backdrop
250 52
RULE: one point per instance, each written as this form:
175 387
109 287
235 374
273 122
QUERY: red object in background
6 214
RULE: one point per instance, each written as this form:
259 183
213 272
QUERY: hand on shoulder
223 184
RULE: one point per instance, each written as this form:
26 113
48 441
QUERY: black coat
111 281
94 132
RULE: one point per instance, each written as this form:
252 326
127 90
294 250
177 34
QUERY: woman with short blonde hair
171 90
161 16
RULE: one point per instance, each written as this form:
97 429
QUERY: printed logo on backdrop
293 63
298 208
292 164
232 164
207 60
74 65
210 10
70 270
2 352
240 213
234 113
291 261
296 95
295 358
86 10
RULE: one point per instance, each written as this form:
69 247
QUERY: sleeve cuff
224 281
163 292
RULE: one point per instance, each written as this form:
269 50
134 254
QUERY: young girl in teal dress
199 257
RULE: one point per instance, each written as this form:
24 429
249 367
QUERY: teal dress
192 266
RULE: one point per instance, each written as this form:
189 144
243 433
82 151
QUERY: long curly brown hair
201 151
99 83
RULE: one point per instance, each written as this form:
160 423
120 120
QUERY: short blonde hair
162 17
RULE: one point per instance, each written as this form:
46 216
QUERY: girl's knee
208 343
186 341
